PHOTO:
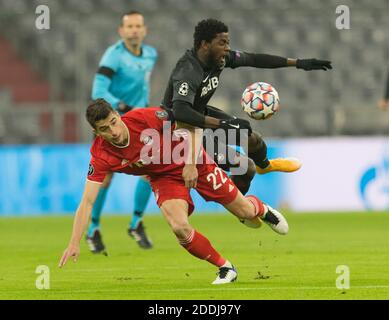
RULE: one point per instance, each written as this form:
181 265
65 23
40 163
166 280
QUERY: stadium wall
338 174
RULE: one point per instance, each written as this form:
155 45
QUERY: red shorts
213 184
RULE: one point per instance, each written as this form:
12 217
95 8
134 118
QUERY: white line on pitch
204 289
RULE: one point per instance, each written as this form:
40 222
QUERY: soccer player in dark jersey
196 77
125 144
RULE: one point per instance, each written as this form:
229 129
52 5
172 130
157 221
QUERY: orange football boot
281 165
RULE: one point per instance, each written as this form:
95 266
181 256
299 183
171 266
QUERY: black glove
236 124
313 64
123 108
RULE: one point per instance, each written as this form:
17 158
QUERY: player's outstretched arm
311 64
80 223
261 60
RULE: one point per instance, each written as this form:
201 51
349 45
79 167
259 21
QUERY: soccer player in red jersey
137 144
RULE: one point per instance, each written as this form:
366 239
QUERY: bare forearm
197 137
80 223
194 142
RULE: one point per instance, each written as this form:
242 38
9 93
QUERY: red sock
200 247
258 204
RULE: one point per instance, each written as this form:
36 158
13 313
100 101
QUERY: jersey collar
203 66
128 142
141 50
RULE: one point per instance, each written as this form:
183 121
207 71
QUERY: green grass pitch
301 265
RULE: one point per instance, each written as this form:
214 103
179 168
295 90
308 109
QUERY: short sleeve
186 81
97 170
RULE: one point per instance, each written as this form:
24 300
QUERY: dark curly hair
207 30
98 110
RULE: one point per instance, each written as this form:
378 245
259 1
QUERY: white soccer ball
260 100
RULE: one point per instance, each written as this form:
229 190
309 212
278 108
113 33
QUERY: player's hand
236 124
313 64
123 108
383 104
71 251
190 175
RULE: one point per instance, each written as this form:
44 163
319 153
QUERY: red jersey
145 127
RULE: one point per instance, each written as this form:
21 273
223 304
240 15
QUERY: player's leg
227 157
242 181
94 237
214 185
251 211
257 149
175 212
136 228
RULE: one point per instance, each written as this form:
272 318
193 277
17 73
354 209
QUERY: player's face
112 129
133 29
219 48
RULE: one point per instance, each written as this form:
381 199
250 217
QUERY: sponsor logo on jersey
212 85
91 169
183 89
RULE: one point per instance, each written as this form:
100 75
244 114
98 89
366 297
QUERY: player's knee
255 141
181 229
251 169
242 183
